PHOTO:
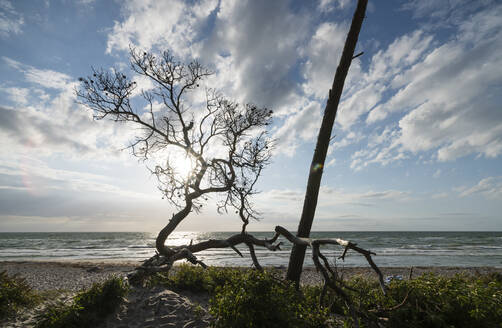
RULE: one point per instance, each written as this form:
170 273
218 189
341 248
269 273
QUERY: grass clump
15 293
87 308
195 279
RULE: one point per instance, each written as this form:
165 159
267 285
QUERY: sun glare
183 165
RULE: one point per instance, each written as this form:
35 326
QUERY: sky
418 134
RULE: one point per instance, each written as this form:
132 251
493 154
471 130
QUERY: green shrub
461 301
194 278
431 301
248 298
258 299
15 293
88 307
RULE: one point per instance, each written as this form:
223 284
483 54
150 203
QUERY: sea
393 249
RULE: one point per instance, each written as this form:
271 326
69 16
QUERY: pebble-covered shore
71 276
74 276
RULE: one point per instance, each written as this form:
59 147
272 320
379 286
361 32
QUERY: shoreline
75 275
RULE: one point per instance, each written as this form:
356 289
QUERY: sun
182 164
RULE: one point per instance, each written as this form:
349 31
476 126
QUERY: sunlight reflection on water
392 248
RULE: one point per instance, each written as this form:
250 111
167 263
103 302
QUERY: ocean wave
392 249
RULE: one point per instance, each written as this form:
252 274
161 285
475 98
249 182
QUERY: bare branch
174 130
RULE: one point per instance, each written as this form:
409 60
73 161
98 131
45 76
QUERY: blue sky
418 134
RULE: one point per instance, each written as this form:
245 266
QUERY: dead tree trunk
323 139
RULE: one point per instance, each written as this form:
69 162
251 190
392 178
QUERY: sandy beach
164 308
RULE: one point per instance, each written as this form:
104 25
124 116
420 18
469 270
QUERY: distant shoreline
75 275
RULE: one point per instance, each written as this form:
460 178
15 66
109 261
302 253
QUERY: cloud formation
448 95
258 50
289 202
423 93
151 24
11 21
47 119
490 187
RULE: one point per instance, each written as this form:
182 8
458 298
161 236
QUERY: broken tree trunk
323 139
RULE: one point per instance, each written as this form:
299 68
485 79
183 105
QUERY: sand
159 307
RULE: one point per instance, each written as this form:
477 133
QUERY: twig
359 54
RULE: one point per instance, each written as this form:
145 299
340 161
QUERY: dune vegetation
250 298
253 298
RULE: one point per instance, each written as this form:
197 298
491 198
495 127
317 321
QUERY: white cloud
364 90
331 162
490 187
55 129
159 24
17 95
43 77
289 202
446 13
445 96
457 93
327 6
440 195
55 123
255 52
323 54
49 78
358 104
297 128
251 51
86 2
332 196
387 68
10 20
349 139
38 179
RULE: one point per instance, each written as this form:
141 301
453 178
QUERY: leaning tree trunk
160 241
323 139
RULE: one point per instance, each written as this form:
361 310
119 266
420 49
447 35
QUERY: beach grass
88 308
15 294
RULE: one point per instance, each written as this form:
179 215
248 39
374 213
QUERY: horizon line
237 231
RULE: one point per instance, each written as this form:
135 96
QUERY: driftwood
187 251
161 263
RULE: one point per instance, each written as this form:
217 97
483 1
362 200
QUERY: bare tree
225 144
323 140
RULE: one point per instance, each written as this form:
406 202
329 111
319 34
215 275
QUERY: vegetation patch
88 308
427 301
195 278
249 298
259 299
15 293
